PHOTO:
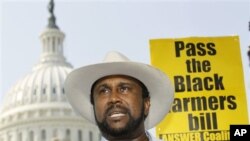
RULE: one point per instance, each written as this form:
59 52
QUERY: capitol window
79 135
31 136
63 91
20 115
10 118
54 90
90 136
35 90
53 44
44 90
43 135
68 135
20 136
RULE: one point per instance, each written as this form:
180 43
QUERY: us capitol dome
36 108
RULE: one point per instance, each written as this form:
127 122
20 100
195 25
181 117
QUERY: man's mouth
116 114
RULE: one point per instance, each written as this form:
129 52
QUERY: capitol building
36 108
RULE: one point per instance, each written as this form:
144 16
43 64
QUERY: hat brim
79 82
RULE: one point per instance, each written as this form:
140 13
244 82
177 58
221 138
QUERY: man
122 97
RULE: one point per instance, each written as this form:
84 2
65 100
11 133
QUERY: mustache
115 107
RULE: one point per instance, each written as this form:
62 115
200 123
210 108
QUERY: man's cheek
99 114
135 111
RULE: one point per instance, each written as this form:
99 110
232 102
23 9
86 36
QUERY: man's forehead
125 77
113 77
117 76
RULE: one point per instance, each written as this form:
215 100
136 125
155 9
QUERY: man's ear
146 105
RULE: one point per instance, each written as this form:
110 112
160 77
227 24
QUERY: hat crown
114 56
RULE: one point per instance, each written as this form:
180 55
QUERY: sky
94 27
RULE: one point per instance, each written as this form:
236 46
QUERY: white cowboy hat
79 82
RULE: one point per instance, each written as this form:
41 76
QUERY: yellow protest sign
209 87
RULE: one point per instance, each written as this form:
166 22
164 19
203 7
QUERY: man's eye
124 89
104 91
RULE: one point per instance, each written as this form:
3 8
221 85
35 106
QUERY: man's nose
115 97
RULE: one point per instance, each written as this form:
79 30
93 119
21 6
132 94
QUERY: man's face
118 105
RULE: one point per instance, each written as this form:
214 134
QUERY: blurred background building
248 53
36 108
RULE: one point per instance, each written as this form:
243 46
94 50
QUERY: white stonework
36 109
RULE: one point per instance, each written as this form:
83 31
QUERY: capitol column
15 135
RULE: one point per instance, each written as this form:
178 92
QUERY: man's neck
141 137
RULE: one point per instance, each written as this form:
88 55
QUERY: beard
132 125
